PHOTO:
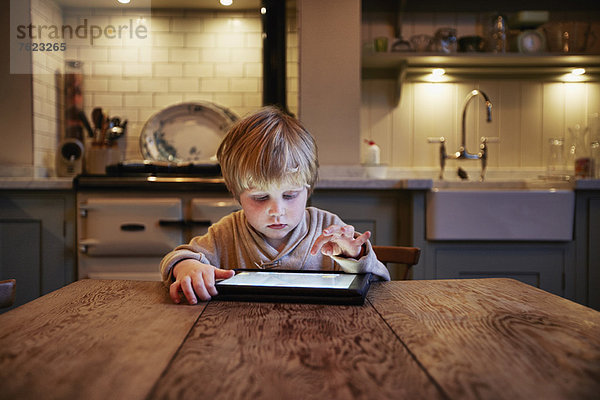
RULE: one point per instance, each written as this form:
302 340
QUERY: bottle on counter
372 163
373 156
581 152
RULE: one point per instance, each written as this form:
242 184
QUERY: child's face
275 211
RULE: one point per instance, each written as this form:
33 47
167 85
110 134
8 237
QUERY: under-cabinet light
576 75
437 75
226 2
124 1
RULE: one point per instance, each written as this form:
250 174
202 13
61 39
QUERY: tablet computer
335 287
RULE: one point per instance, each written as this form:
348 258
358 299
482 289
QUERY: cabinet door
128 227
594 253
36 245
366 211
538 265
206 212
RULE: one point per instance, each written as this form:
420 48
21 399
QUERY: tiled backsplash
187 55
47 71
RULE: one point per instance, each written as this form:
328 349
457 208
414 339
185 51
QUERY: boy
269 164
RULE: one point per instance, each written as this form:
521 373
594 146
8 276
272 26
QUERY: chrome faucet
462 153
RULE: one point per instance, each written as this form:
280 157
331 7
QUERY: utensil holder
99 156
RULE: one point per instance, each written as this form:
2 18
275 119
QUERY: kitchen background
212 55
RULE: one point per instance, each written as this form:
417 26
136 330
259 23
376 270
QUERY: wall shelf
508 65
417 67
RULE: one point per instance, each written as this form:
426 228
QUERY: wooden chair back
8 291
408 256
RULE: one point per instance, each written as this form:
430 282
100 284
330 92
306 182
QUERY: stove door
206 212
129 227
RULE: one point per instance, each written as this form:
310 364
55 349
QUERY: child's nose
276 208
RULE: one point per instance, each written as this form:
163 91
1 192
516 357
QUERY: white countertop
330 177
29 183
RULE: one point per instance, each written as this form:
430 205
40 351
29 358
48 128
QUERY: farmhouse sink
517 210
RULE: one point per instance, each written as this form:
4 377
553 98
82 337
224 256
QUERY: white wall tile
165 100
246 55
230 70
215 55
138 100
187 24
163 39
230 40
137 70
95 85
199 70
123 85
110 69
123 54
214 85
154 85
200 40
111 100
160 24
183 85
231 99
254 70
167 70
244 85
177 55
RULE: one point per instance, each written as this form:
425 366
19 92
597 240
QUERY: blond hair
268 148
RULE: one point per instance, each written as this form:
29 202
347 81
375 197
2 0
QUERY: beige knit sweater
232 243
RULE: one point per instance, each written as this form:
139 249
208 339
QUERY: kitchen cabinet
587 238
37 238
548 265
540 264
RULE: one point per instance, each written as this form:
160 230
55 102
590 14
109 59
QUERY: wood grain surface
91 340
292 351
495 338
453 339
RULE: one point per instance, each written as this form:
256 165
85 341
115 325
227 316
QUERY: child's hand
196 279
339 240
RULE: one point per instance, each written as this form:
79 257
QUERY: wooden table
453 339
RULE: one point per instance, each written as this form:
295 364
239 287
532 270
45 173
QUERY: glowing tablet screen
290 279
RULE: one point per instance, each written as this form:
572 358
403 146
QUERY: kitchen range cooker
130 217
128 221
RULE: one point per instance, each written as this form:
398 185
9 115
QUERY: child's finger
348 231
188 292
174 292
200 288
362 239
319 242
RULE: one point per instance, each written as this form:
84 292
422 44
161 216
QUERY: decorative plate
187 132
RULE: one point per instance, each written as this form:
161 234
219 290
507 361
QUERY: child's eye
260 198
290 196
